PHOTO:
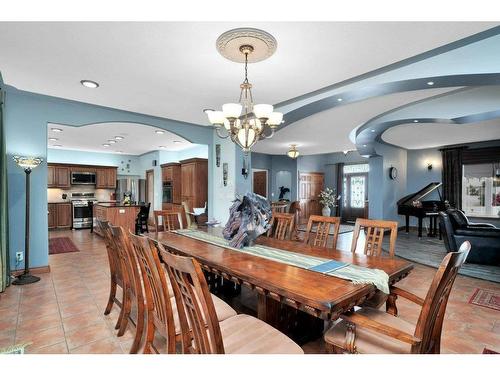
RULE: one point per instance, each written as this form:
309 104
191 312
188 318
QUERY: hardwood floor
63 313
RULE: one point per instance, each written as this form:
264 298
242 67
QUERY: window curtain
452 176
340 185
4 219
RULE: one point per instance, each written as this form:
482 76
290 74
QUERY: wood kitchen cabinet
194 182
52 215
58 177
171 173
105 178
60 215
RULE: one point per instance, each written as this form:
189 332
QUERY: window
357 185
481 189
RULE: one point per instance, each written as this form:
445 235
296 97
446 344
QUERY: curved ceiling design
430 135
136 139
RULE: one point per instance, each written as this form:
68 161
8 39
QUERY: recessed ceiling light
415 120
364 145
430 83
373 130
90 84
161 146
56 145
177 141
53 139
118 137
159 132
106 145
339 99
57 130
112 141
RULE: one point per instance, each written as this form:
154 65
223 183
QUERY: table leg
390 305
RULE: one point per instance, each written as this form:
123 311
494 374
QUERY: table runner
356 274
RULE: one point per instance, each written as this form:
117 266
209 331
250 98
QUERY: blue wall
26 118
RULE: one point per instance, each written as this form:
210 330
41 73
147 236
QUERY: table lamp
28 163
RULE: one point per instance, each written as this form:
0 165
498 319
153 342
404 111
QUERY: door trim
152 200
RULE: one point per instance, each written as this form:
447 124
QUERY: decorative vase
326 211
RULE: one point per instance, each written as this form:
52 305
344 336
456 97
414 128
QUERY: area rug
486 298
60 245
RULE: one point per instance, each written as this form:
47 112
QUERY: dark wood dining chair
374 331
170 220
201 332
115 270
322 225
160 318
132 287
141 221
374 235
281 226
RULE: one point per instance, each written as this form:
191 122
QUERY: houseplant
328 199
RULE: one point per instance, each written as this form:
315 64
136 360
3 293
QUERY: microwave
83 178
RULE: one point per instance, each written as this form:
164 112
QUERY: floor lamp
27 163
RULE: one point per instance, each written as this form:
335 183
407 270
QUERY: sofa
484 238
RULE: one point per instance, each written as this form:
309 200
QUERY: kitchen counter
116 204
116 214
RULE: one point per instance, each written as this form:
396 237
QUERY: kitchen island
117 214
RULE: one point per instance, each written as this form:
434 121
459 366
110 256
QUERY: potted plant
328 199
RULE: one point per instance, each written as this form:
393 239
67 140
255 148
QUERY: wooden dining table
280 285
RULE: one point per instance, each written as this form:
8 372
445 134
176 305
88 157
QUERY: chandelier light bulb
275 118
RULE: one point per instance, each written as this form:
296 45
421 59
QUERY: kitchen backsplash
55 195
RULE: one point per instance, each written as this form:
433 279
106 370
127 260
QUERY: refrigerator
133 186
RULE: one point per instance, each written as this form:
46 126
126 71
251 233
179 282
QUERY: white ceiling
417 136
173 69
138 138
328 131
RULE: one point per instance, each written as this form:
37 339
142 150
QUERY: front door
355 201
260 183
310 185
150 181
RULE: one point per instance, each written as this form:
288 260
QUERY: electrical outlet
19 256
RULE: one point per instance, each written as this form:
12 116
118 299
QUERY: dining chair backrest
170 220
200 330
374 235
111 250
160 316
278 207
430 321
323 226
128 261
281 226
187 214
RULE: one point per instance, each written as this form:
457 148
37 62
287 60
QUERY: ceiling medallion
263 43
245 122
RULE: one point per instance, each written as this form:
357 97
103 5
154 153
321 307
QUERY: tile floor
63 312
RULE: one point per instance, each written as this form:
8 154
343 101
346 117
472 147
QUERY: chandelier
245 122
293 152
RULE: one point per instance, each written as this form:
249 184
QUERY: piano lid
418 196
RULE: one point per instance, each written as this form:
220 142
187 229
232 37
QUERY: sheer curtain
452 176
4 219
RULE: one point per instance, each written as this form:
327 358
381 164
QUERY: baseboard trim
34 270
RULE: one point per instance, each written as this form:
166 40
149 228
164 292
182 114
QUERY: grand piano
413 205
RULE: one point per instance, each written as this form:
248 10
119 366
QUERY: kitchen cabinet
171 172
105 178
194 182
60 215
58 177
52 215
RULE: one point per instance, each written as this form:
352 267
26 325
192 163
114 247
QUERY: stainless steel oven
83 213
83 178
167 192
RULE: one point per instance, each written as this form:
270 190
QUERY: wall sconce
244 169
429 166
224 173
